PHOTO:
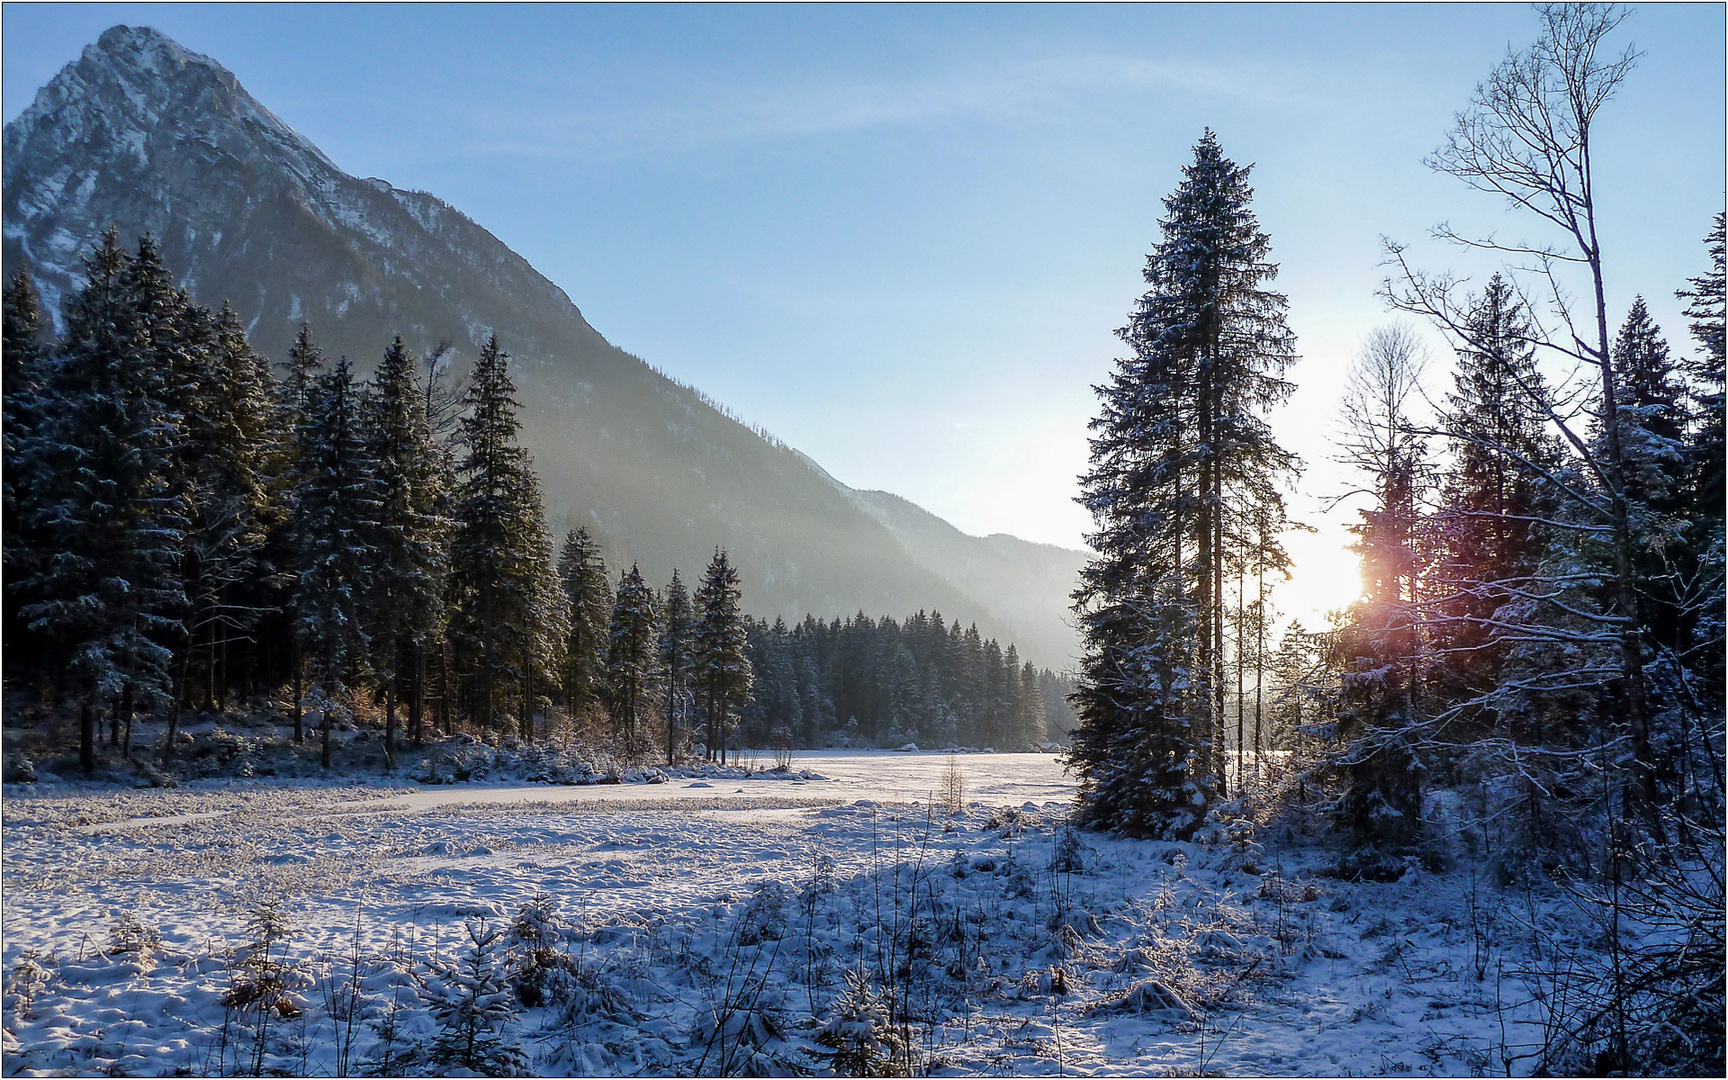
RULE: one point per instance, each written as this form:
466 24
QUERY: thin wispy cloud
681 113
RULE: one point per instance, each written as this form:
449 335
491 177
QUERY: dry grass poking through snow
337 932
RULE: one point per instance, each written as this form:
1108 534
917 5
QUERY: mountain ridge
145 134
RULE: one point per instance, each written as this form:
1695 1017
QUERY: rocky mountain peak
136 89
144 135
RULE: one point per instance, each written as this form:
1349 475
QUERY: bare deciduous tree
1526 136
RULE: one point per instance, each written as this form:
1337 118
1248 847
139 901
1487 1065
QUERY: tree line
888 683
187 524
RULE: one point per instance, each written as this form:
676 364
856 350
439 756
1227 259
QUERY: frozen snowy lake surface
1041 949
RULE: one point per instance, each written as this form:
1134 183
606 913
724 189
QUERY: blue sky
900 237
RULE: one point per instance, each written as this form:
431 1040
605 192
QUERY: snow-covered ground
707 925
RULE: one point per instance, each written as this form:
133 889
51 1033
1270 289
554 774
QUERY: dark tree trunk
390 726
210 669
324 728
527 702
299 692
417 696
87 738
174 710
126 710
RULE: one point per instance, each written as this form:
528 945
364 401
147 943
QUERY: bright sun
1326 576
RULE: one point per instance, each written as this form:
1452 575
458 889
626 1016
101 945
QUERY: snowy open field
708 925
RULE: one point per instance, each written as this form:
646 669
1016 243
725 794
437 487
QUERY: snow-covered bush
739 1032
261 978
860 1033
582 994
29 978
474 1008
764 916
533 947
129 935
1148 996
393 1053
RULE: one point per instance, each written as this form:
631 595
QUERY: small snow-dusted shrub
764 916
1370 864
261 978
737 1031
533 947
1148 996
1065 942
340 984
951 796
1049 981
1017 880
859 1032
394 1053
129 935
582 994
29 978
474 1008
261 982
1068 850
1006 818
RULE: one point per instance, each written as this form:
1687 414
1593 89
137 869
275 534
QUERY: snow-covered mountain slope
145 135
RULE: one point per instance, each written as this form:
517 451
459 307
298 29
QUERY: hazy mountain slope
143 134
1027 584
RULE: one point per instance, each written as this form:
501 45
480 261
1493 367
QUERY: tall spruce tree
677 625
293 400
588 597
500 556
25 352
1029 728
721 670
106 597
1490 544
335 523
231 433
1707 307
406 595
630 656
1180 446
1652 417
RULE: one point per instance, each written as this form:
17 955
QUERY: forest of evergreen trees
1540 634
882 683
185 529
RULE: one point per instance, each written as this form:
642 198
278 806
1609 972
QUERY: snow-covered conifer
630 659
721 670
334 523
474 1007
1181 445
588 598
405 596
25 352
500 555
677 624
105 597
